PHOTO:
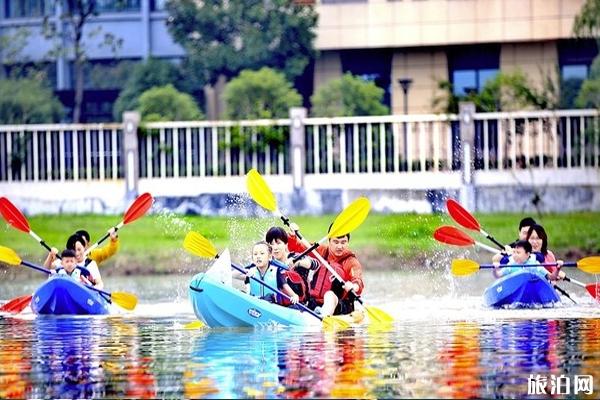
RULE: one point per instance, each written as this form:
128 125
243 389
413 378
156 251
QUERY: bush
348 96
29 101
589 94
260 94
168 104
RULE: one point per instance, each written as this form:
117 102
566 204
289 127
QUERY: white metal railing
563 139
60 152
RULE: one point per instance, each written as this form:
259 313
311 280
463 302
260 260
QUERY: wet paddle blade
464 267
194 325
8 256
126 300
17 304
335 323
461 215
591 265
377 315
454 236
138 208
259 190
13 216
594 290
351 218
199 246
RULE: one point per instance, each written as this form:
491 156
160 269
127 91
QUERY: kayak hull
220 305
62 295
522 289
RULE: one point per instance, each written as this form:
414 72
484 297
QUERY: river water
444 343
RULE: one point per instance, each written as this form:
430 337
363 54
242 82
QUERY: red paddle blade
462 216
138 208
17 304
13 216
594 290
452 235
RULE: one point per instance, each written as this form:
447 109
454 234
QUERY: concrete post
131 122
467 137
297 115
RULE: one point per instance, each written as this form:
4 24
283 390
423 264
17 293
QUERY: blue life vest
270 278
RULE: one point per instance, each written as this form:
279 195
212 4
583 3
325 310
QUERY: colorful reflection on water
144 357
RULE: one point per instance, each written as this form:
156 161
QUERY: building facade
422 42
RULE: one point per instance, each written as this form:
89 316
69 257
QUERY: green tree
30 102
589 95
68 35
587 22
260 94
166 103
144 76
348 96
224 37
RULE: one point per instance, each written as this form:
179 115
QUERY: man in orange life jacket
332 296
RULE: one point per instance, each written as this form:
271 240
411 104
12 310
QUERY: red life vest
298 286
322 281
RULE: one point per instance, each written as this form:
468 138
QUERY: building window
471 67
117 5
574 58
158 5
371 65
26 8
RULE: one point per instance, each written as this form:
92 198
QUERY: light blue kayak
62 295
220 305
522 289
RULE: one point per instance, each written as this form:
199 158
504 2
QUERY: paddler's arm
50 258
497 271
100 255
355 282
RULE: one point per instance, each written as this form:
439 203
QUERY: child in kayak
261 268
68 266
76 243
104 253
522 258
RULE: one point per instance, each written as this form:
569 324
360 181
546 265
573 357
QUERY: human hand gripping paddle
348 220
137 209
126 300
199 246
591 265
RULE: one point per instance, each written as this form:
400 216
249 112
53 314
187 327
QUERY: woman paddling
536 235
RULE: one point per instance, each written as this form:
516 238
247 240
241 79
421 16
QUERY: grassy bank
153 243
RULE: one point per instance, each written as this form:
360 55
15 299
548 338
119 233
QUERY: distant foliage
28 101
348 96
260 94
587 22
589 95
166 103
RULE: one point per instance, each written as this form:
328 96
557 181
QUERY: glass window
117 5
158 5
26 8
471 67
574 71
373 65
464 81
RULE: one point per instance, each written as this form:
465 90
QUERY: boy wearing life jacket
68 266
334 297
263 270
76 243
522 258
102 254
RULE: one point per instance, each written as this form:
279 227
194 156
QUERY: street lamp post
405 85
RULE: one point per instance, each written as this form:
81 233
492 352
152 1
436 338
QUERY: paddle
137 209
464 267
347 221
126 300
454 236
199 246
467 220
17 304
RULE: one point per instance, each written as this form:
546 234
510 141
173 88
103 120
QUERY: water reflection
15 362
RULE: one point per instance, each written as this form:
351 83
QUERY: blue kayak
522 289
220 305
62 295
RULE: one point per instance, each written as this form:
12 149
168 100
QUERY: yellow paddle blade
377 315
464 267
335 323
194 325
199 246
8 256
126 300
591 265
351 218
259 190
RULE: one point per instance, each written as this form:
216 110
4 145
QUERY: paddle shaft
265 284
99 242
492 239
564 293
567 264
44 270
